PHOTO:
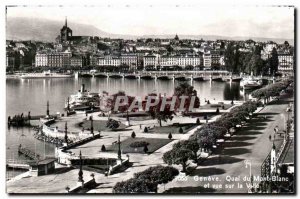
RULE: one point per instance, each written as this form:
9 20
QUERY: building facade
109 60
150 60
53 59
41 59
207 60
215 58
10 60
285 63
182 61
130 60
76 61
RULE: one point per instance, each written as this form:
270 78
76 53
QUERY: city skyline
240 21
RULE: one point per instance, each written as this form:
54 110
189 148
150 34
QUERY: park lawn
96 168
215 106
134 116
99 125
154 144
174 129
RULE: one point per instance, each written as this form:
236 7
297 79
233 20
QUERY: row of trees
206 137
271 90
147 180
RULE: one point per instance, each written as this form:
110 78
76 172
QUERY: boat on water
251 83
45 74
236 79
83 100
217 79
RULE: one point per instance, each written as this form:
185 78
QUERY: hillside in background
47 30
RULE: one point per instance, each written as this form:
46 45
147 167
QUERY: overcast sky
271 22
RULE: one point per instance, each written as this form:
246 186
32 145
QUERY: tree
145 130
206 141
103 148
146 149
111 102
229 57
133 134
170 48
158 174
170 136
224 122
185 89
178 156
286 43
180 130
191 145
156 112
273 61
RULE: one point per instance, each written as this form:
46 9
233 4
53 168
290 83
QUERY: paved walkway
227 168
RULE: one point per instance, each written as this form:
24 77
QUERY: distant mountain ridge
47 30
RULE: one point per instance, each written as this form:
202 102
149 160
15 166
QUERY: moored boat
45 74
251 83
83 100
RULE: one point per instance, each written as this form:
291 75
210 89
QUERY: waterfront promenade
250 143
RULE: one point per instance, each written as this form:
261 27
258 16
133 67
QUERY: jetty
28 153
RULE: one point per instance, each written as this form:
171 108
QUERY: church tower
65 32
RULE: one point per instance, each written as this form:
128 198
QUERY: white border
106 2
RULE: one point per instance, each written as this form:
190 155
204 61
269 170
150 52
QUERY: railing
32 155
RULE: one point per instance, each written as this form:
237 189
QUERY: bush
170 136
135 186
146 149
139 144
145 130
103 148
133 134
180 130
158 174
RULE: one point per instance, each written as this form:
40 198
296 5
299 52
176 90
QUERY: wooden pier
28 153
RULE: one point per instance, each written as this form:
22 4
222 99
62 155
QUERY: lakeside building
215 58
41 59
76 61
59 59
150 60
182 61
207 60
10 60
53 59
109 60
130 60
